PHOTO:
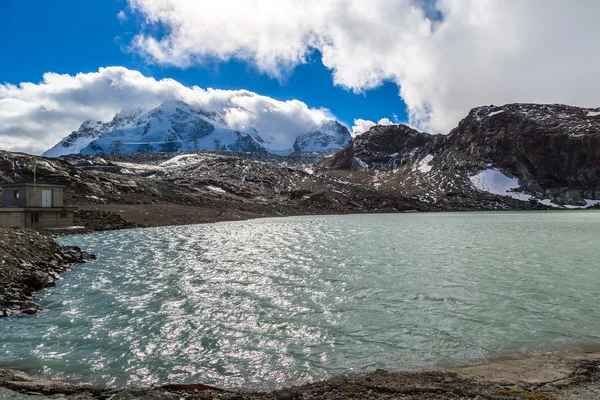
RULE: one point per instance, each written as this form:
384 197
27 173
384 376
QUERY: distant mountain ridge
544 154
177 126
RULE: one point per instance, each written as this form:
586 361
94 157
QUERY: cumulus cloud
33 117
363 125
446 56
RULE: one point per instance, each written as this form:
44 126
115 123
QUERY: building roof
49 185
37 209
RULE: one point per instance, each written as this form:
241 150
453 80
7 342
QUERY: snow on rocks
178 160
495 113
588 203
495 182
423 165
593 113
362 164
215 189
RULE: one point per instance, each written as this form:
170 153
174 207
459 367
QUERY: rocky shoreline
31 261
554 376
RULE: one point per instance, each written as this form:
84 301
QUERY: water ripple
279 301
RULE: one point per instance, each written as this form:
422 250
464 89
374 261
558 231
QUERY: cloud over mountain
363 125
33 117
446 56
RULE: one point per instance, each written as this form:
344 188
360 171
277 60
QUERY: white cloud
480 52
363 125
34 117
121 16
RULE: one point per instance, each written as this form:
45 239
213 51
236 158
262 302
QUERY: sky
278 63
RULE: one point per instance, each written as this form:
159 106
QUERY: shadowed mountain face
531 152
177 126
549 147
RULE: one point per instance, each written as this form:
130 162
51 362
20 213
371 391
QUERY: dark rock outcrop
30 261
382 148
550 148
553 151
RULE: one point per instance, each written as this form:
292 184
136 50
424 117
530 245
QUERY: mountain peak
178 126
331 135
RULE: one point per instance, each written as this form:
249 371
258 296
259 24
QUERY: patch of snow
423 165
495 182
495 113
593 113
175 160
361 163
589 203
577 134
309 171
135 166
215 189
549 203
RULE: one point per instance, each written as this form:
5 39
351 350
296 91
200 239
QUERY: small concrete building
35 206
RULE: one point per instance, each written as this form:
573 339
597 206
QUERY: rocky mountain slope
514 157
176 188
177 126
527 155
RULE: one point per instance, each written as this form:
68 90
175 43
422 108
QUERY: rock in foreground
30 261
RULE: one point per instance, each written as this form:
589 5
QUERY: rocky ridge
540 156
228 185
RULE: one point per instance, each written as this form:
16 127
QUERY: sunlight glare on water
274 302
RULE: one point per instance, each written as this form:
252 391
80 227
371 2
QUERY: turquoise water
281 301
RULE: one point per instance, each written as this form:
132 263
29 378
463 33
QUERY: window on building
16 194
63 215
35 218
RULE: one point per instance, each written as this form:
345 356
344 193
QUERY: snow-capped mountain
331 135
177 126
90 131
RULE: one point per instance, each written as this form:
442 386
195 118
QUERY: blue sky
73 36
425 62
